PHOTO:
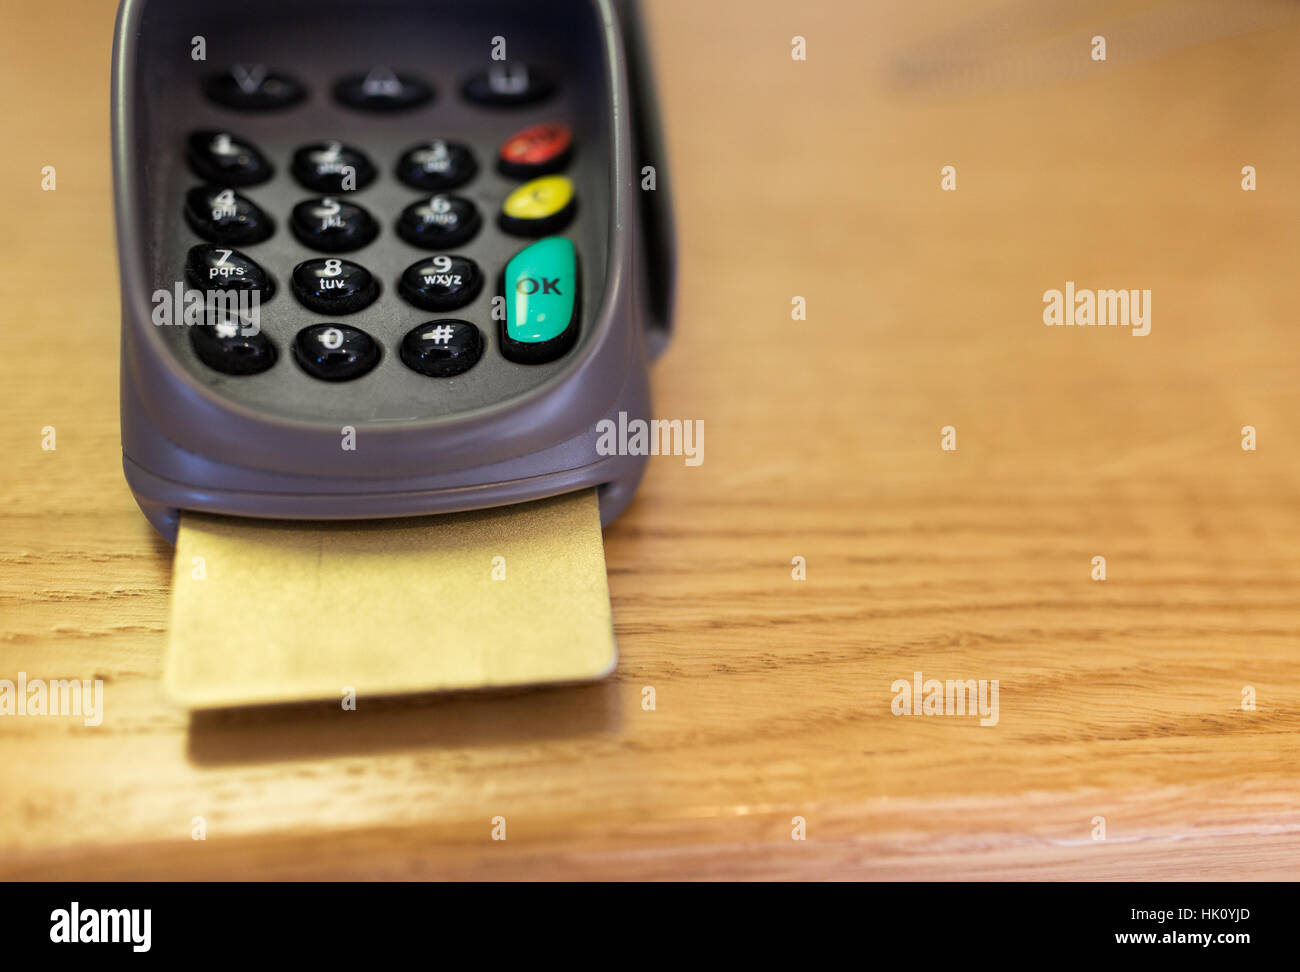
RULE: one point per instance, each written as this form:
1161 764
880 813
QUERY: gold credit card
268 611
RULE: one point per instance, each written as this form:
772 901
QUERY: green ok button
541 285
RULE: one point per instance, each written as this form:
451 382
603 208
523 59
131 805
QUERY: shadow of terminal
497 717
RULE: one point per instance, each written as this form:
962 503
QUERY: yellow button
540 199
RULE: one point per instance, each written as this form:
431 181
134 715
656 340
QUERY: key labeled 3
212 267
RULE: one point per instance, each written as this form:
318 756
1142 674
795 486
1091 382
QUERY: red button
536 150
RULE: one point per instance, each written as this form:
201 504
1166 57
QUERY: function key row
333 225
332 285
330 166
255 87
541 324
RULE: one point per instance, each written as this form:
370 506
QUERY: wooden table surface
1119 699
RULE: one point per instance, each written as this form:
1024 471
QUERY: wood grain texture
820 179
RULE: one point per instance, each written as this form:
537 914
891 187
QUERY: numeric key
439 222
226 159
441 283
335 352
212 267
224 216
332 167
332 226
437 165
334 286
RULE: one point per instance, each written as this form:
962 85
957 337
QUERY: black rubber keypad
338 166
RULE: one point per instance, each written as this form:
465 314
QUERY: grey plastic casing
193 441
